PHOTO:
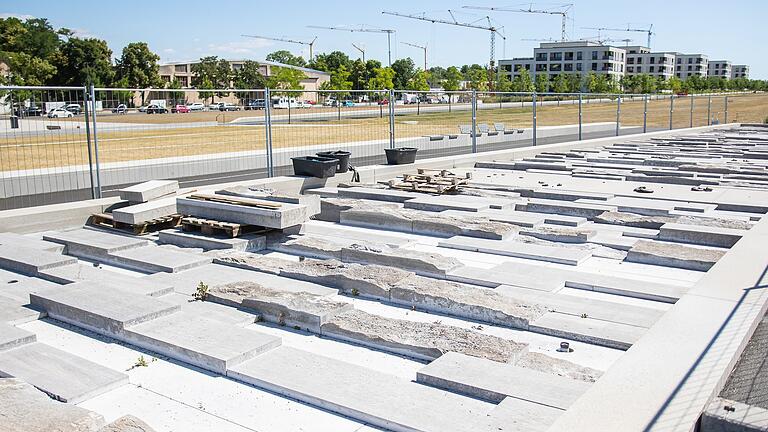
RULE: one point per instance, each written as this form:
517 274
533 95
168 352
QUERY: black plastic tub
341 156
314 166
401 155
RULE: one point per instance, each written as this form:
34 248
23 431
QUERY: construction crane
539 40
364 29
310 44
362 51
566 8
649 31
490 27
423 48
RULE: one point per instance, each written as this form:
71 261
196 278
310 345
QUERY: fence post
88 141
391 105
338 108
418 105
268 131
474 121
618 114
691 111
725 119
671 109
645 113
289 110
580 123
709 111
95 143
533 100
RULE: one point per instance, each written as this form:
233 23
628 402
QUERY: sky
189 29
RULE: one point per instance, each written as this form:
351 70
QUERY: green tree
359 75
523 82
24 69
503 83
249 76
477 79
339 81
560 84
452 79
383 78
177 97
83 62
138 67
205 84
284 78
675 84
436 76
574 83
542 83
419 81
404 69
217 72
331 61
285 57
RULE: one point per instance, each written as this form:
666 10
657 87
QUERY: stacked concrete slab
147 201
250 213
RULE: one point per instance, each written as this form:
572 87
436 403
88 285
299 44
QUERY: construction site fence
63 144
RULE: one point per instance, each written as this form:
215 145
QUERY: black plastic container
314 166
401 155
341 156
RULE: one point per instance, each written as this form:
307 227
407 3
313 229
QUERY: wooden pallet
430 181
105 220
214 227
247 202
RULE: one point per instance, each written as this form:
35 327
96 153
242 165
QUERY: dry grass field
69 146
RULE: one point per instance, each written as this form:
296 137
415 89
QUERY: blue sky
185 30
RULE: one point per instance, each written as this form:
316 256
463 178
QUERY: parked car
30 111
59 113
255 104
330 102
196 106
74 108
143 108
120 109
347 103
228 107
384 102
180 109
156 109
215 106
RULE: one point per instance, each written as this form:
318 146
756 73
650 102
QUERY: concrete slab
212 311
566 208
189 239
15 312
200 341
31 261
127 423
674 255
520 250
12 337
140 213
598 332
345 232
493 381
700 235
388 195
423 263
364 394
492 278
517 415
94 244
724 415
149 190
523 219
14 239
106 279
106 312
456 202
158 259
65 377
285 216
17 287
23 408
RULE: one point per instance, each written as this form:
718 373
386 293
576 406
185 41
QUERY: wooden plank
248 202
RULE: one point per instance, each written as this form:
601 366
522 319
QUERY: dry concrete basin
616 284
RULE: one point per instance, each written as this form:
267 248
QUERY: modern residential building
687 65
640 60
740 71
719 68
580 57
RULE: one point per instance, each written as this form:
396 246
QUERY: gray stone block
520 250
674 255
331 208
388 195
523 219
283 217
597 332
106 312
200 341
127 423
149 190
63 376
700 235
517 415
140 213
105 279
31 262
566 208
424 263
323 192
457 202
17 287
185 239
15 312
493 381
225 314
344 232
24 408
94 244
158 259
308 245
12 337
13 239
511 274
557 234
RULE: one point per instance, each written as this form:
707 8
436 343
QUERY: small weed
201 292
259 318
355 292
141 362
477 327
296 327
584 315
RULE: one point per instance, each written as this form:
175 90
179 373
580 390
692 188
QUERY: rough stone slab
103 311
517 415
425 341
523 219
341 231
388 195
557 234
200 341
140 213
596 309
188 239
12 337
31 262
24 408
105 279
674 255
149 190
225 314
510 275
566 195
308 245
65 377
15 312
364 394
641 206
700 235
13 239
493 381
95 244
614 240
566 208
158 259
598 332
286 216
519 250
127 423
456 202
331 208
556 219
424 263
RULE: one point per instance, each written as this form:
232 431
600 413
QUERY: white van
285 103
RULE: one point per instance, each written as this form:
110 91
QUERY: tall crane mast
364 29
423 48
310 44
362 51
566 8
649 31
491 28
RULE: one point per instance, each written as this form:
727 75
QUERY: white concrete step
511 275
15 312
30 262
149 190
92 243
559 255
598 332
158 259
107 279
14 239
700 235
12 337
140 213
189 239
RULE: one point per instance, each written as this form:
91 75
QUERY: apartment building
580 57
719 68
739 71
688 65
640 60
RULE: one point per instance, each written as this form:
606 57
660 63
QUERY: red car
384 102
180 109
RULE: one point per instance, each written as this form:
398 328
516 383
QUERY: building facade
640 60
719 68
740 71
579 57
688 65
